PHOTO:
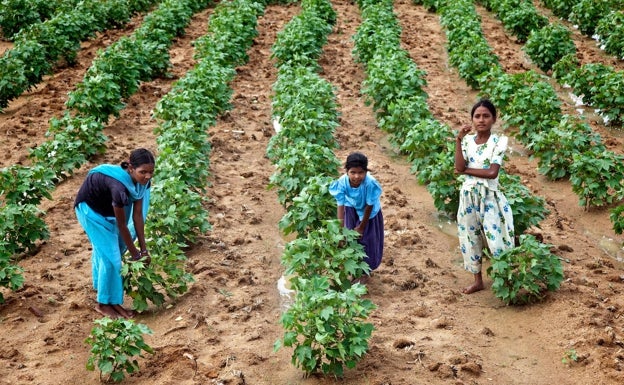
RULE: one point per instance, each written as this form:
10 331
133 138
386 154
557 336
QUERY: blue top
367 193
137 191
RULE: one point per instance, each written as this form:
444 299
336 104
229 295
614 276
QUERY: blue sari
103 232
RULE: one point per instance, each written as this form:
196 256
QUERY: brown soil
222 331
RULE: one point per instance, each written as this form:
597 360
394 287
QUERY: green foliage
310 208
611 31
297 164
73 139
407 120
617 218
392 76
587 14
556 147
300 42
534 102
528 209
326 326
114 344
378 31
597 177
39 46
180 209
232 29
441 180
520 17
430 5
23 185
561 8
565 66
601 87
305 106
164 276
10 275
424 141
570 355
520 275
548 45
331 251
322 7
468 49
22 226
199 98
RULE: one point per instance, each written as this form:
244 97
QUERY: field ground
222 331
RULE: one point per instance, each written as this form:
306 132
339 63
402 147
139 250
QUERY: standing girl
484 218
111 206
358 195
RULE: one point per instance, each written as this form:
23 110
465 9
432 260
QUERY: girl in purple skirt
357 194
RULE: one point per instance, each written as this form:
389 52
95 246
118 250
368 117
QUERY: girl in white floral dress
484 218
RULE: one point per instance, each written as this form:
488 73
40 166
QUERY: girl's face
141 174
482 120
356 176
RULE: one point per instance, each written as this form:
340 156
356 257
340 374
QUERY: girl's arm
120 215
460 162
341 214
139 224
486 173
362 226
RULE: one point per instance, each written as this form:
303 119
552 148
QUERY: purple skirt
373 237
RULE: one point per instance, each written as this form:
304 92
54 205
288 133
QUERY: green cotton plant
528 209
564 67
23 185
114 346
534 103
10 274
520 17
392 75
165 275
561 8
602 87
379 31
611 31
587 13
597 177
323 8
181 212
330 250
300 42
298 163
326 327
22 226
617 218
400 119
522 274
310 208
424 140
441 181
555 148
548 45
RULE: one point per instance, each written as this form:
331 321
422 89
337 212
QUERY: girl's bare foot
107 311
127 314
477 286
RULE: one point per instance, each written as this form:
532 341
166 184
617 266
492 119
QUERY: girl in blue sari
357 195
111 206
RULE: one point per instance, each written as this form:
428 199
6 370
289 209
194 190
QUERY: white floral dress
484 218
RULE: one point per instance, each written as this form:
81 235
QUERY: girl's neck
482 137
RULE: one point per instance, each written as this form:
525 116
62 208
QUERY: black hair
356 159
139 157
484 103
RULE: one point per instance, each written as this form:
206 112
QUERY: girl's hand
465 130
360 230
